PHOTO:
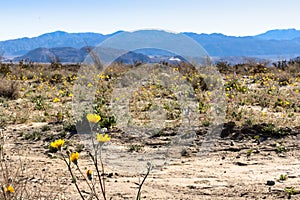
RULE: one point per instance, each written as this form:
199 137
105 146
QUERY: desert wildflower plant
92 179
72 158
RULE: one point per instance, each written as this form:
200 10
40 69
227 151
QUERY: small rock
270 183
241 164
231 143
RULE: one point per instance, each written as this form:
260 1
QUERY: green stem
95 161
86 180
102 166
138 196
73 177
3 190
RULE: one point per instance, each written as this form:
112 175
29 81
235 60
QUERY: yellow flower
57 144
94 118
9 189
74 157
89 174
55 100
102 138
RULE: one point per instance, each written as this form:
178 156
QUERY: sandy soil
224 173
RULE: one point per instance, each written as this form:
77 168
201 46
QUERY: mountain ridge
280 34
274 42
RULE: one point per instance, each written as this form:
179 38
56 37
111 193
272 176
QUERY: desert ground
254 156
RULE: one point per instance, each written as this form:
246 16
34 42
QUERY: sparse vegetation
283 177
263 105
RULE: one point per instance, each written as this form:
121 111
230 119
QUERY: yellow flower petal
89 174
74 157
55 100
103 138
94 118
57 144
10 189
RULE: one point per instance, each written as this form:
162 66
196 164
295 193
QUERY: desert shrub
224 67
39 102
235 85
4 69
294 69
56 78
9 89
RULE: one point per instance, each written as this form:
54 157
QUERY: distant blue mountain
275 42
50 40
221 45
57 54
73 55
279 34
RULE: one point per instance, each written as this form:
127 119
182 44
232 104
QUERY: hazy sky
29 18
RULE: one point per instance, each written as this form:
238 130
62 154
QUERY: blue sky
29 18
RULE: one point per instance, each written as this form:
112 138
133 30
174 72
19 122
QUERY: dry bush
9 89
294 69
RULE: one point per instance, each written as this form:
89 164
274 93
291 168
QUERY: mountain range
69 47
